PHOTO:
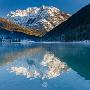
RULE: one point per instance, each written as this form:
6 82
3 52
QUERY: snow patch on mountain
38 18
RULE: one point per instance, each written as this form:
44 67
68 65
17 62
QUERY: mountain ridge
76 28
38 18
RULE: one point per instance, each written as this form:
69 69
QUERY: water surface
45 66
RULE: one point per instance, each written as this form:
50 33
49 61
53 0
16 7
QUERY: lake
45 66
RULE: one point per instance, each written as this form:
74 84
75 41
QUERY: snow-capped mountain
43 18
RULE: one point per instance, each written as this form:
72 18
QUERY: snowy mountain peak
43 18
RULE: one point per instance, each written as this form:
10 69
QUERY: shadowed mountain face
76 28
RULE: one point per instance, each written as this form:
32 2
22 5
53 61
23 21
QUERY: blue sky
69 6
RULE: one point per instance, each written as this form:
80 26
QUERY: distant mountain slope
10 32
44 18
13 36
76 28
7 25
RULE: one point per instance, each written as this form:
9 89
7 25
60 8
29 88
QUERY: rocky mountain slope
76 28
42 18
13 32
8 25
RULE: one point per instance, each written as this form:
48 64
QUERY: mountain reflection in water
36 62
61 66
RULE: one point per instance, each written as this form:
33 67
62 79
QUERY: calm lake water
40 66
